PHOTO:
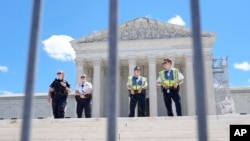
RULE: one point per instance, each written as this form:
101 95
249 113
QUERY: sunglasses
83 77
58 73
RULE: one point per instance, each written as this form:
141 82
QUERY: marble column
152 86
189 82
210 96
124 102
131 66
102 91
96 88
79 71
79 68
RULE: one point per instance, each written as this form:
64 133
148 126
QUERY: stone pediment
141 29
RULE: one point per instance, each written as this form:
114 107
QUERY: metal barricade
113 69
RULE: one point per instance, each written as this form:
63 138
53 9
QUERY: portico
144 42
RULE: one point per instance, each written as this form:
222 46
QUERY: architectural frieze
143 29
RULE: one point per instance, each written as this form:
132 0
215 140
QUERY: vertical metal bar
198 71
112 71
31 70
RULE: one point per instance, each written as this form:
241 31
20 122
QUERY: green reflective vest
171 79
136 84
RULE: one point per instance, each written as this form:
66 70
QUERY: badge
168 91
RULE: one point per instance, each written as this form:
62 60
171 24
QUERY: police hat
60 72
167 60
137 68
83 75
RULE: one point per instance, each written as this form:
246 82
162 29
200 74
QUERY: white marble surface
139 40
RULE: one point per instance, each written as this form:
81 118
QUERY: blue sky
76 18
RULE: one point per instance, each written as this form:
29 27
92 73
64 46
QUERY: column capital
208 57
151 59
79 62
132 59
170 56
96 61
131 64
188 58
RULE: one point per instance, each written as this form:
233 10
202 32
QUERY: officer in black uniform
58 91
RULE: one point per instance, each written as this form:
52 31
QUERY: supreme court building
144 42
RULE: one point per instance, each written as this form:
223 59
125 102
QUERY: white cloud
245 66
149 16
58 47
4 92
3 68
177 20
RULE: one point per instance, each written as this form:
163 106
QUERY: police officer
58 91
83 97
136 85
169 79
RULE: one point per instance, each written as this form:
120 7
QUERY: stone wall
241 97
11 107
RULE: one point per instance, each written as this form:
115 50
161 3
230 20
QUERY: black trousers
83 103
141 100
173 94
59 103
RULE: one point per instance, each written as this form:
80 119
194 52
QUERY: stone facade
144 42
11 107
144 29
241 97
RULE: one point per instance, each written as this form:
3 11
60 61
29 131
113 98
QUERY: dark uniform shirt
58 88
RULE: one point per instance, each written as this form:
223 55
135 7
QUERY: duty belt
61 93
169 89
142 91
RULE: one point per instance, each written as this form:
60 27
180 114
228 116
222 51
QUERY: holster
61 93
77 98
136 92
88 96
171 89
52 94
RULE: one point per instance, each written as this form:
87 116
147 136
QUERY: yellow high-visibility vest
171 79
136 84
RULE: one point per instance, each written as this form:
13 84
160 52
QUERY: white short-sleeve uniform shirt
83 87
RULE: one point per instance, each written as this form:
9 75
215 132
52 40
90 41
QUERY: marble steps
129 129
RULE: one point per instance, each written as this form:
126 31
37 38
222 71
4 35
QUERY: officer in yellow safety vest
169 79
137 91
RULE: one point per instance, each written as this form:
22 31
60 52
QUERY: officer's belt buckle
168 90
83 96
